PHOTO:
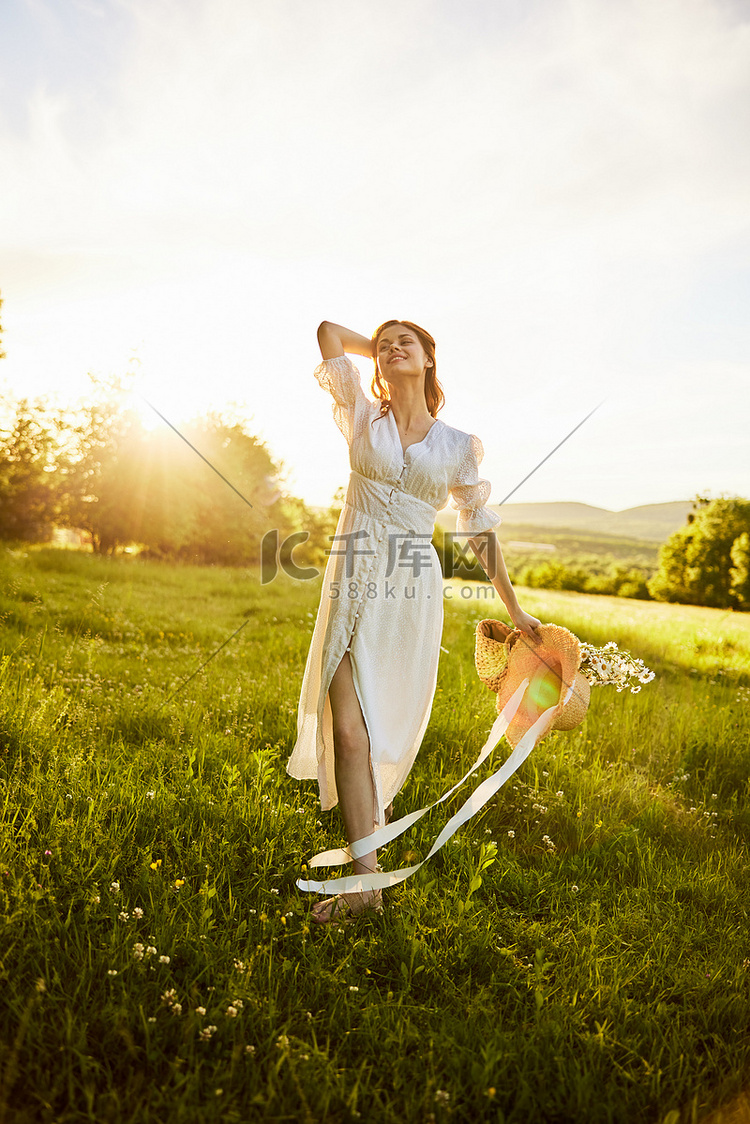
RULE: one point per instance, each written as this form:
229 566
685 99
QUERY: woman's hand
527 624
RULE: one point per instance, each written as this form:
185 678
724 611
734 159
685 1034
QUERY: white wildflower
617 668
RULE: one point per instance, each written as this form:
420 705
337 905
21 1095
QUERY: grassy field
157 961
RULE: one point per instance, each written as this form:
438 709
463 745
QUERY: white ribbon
355 883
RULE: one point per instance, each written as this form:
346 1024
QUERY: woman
372 667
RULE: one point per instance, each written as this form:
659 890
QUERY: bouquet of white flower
609 665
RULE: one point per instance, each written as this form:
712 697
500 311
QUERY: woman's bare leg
353 778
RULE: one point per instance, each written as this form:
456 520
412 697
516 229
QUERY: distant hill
653 522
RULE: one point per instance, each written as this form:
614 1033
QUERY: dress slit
377 794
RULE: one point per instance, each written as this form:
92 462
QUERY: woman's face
399 354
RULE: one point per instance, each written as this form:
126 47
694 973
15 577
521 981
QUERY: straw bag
505 657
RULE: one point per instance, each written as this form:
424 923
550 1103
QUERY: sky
558 190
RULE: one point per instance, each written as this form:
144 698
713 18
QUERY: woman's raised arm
335 340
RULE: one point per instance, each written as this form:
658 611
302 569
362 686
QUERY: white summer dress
382 595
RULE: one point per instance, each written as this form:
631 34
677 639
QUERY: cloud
547 187
342 127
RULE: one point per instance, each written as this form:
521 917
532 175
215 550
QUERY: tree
318 523
555 575
739 575
28 486
100 482
704 563
220 527
103 473
126 485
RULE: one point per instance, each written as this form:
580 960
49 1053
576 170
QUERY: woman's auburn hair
433 391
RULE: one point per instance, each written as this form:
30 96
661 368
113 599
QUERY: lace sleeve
470 493
340 378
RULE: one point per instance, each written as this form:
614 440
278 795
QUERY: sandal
342 909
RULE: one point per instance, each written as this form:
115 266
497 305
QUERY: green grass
605 980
